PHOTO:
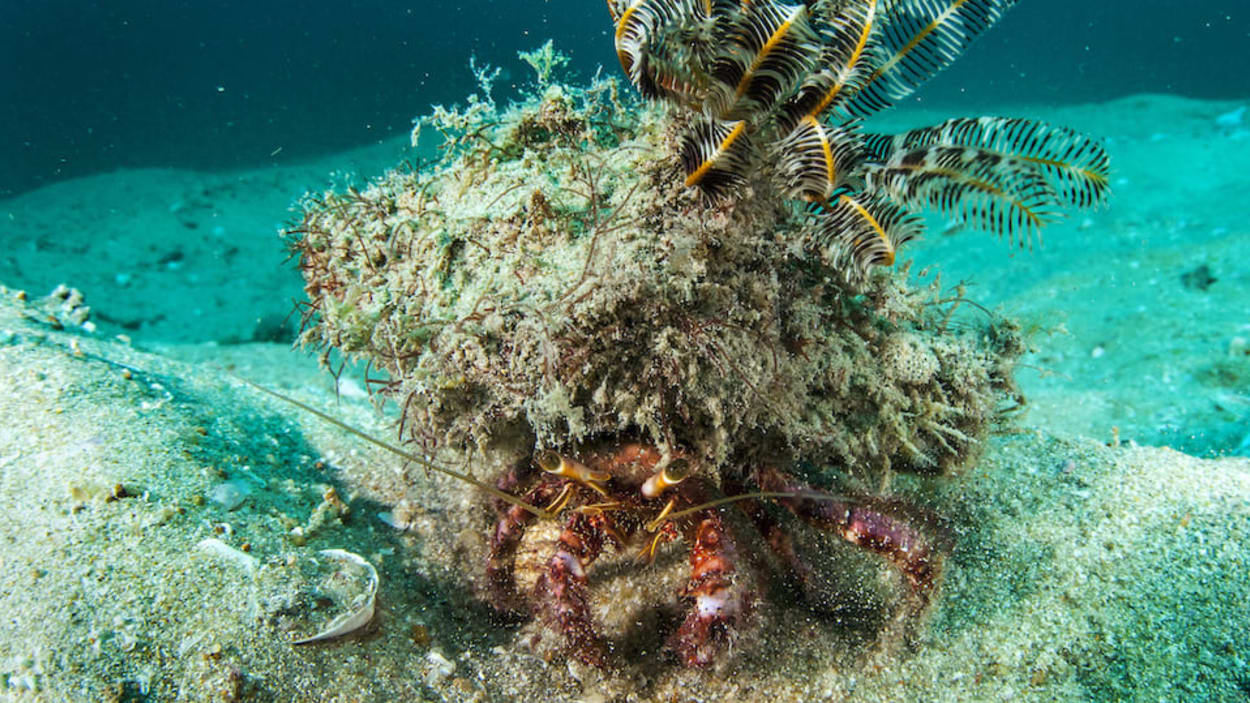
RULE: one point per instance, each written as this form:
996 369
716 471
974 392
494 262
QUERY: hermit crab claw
674 473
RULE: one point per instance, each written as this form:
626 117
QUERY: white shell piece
240 559
360 611
230 494
389 519
440 668
225 552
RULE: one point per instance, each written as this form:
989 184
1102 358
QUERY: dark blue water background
214 84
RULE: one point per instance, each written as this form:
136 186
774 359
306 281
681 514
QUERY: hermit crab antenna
420 461
808 495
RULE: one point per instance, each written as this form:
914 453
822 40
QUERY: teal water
90 87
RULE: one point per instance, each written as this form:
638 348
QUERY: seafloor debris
63 308
229 555
329 596
355 583
230 494
1198 278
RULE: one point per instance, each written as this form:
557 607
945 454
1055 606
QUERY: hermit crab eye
667 477
677 471
549 461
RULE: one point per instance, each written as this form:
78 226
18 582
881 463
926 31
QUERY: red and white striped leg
719 604
561 597
870 526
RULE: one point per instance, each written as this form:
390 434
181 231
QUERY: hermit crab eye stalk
664 479
565 467
548 461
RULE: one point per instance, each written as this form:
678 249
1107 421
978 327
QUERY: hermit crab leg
718 601
876 530
775 534
561 595
500 576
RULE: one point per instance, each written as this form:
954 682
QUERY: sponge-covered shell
551 282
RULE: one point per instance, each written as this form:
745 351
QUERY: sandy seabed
164 520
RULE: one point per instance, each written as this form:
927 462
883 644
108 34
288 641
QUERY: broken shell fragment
359 606
228 554
229 494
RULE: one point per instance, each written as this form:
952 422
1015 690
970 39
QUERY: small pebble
420 636
390 520
1238 347
441 668
1232 118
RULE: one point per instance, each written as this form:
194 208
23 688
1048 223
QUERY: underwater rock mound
552 281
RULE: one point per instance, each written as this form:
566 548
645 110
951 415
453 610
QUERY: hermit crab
640 323
630 494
